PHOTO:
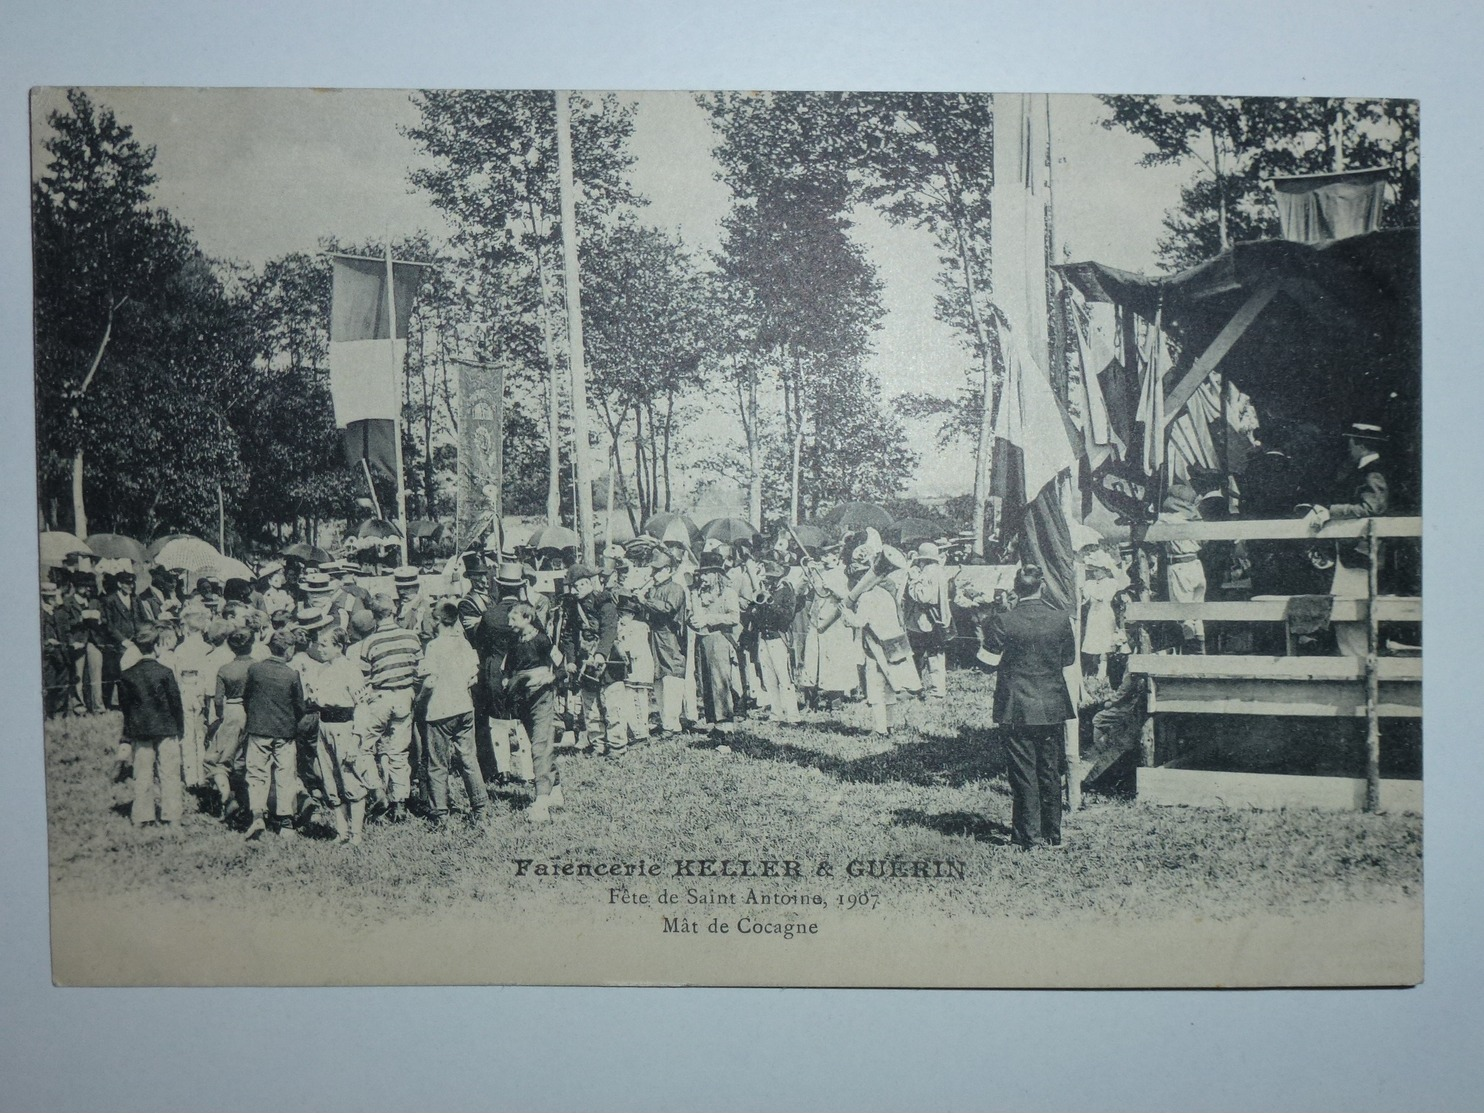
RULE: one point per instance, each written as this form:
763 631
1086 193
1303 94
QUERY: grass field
824 790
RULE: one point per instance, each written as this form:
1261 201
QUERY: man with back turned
1031 644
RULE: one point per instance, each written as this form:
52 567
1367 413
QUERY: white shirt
450 666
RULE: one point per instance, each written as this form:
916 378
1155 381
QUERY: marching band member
714 615
633 579
872 609
773 616
664 605
832 657
589 633
927 613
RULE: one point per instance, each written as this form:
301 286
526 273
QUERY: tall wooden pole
553 401
1372 677
221 521
576 358
391 316
793 505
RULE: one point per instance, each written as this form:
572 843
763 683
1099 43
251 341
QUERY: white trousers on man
1352 639
778 681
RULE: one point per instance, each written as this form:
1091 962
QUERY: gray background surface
620 1049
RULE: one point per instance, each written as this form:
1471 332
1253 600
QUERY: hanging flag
366 356
1154 362
481 460
1035 450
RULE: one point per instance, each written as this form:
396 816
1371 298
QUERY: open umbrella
811 537
153 550
189 554
669 525
858 515
115 546
56 544
310 554
728 530
909 531
553 537
228 568
376 528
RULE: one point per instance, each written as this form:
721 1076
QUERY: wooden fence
1373 688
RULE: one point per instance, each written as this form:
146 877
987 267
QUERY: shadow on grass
960 824
972 755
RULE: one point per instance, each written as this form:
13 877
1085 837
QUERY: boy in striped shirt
389 658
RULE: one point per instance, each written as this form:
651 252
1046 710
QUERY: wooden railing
1373 688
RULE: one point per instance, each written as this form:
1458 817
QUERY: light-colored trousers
193 742
778 681
1352 639
160 755
672 697
272 763
608 710
1187 582
388 723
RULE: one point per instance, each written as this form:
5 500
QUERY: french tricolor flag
366 355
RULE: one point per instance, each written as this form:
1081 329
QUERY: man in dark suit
154 722
119 625
1031 645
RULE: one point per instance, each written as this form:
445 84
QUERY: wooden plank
1211 358
1233 667
1201 789
1271 609
1309 698
1281 529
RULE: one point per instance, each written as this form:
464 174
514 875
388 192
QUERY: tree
802 298
494 174
98 244
1240 141
645 337
928 160
291 449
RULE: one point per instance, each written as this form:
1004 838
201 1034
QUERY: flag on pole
365 373
481 458
1035 451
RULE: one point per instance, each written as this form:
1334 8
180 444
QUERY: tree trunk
645 508
79 515
553 397
754 456
79 512
665 457
985 448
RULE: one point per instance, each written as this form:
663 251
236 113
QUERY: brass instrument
888 560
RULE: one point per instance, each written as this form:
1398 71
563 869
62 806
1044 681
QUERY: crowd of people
302 691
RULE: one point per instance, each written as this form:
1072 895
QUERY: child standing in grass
273 699
531 688
332 690
154 722
231 719
449 669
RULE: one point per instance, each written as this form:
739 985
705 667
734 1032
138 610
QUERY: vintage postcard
729 538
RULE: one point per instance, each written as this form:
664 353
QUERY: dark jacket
119 625
590 630
665 611
1362 492
273 699
774 618
1035 641
150 700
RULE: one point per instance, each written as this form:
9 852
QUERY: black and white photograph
733 538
